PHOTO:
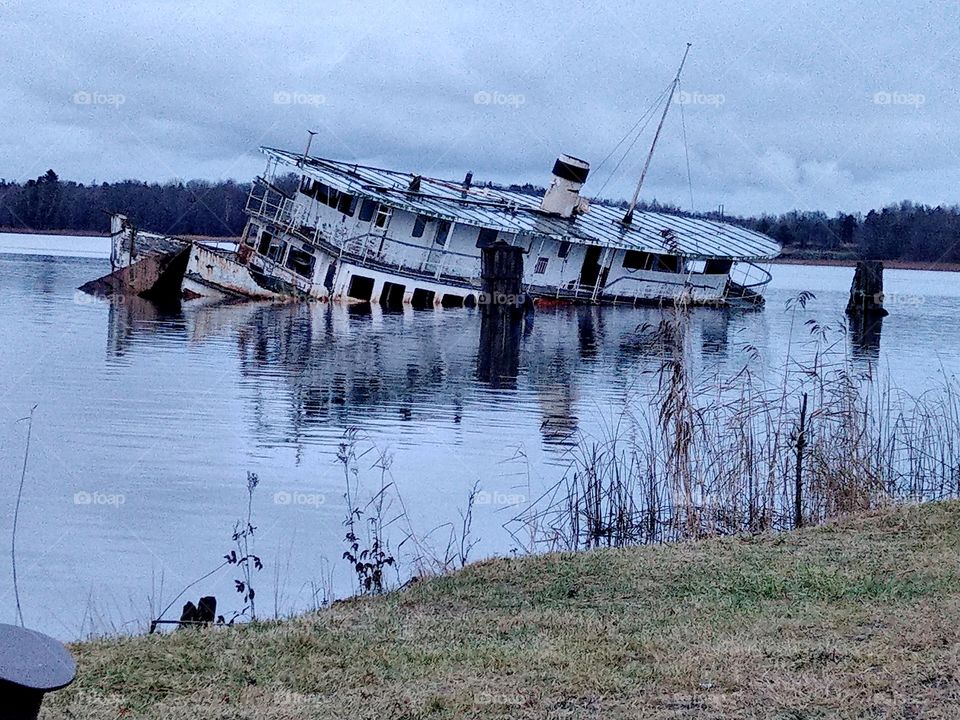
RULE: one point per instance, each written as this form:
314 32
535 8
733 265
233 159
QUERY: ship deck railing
435 262
750 275
745 275
270 204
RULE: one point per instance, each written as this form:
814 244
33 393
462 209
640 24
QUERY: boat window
276 251
718 266
367 209
347 204
301 261
252 234
264 246
360 288
541 267
564 249
383 216
443 231
306 186
419 225
637 260
422 299
321 192
486 238
669 263
392 295
333 197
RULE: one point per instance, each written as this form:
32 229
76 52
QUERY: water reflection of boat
715 332
306 366
132 316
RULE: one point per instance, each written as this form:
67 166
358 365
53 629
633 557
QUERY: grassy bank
857 618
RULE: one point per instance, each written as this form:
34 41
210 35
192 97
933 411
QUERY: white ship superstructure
356 233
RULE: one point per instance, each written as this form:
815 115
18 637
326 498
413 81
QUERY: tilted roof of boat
516 212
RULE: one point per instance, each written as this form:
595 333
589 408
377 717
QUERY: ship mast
306 153
628 218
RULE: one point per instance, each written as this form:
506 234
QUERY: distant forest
198 207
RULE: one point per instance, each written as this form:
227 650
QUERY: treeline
905 231
198 207
898 232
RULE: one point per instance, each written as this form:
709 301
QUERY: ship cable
686 152
642 124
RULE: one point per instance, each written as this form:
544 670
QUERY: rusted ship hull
144 264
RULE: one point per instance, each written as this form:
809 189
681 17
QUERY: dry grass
859 618
697 454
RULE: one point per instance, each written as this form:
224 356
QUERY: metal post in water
501 270
865 306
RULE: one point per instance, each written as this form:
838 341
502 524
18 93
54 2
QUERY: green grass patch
858 618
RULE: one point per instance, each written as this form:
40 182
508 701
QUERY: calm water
146 423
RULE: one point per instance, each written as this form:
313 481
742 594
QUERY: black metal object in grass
240 556
31 665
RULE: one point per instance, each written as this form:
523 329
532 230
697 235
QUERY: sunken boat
345 232
359 234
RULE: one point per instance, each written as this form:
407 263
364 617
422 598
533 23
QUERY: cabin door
590 272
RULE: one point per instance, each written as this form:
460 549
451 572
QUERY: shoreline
63 233
782 260
93 233
739 626
852 263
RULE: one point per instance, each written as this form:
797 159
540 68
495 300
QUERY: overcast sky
810 105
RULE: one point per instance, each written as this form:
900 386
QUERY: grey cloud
809 105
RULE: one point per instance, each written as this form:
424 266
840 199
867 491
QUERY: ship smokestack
563 196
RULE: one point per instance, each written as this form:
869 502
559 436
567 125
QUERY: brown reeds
821 437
